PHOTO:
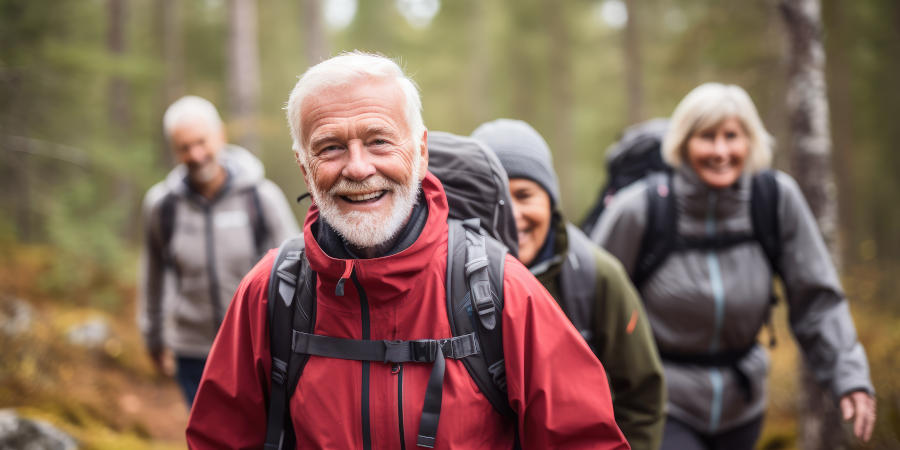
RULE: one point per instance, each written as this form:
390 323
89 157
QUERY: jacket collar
386 277
550 267
694 197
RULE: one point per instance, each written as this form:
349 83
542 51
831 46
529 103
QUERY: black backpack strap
258 222
764 211
766 230
578 282
487 368
167 225
661 231
291 308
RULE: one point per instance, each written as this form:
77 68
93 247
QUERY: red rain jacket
556 385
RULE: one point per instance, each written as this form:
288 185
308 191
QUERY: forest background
83 85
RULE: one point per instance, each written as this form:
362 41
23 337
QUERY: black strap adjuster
424 350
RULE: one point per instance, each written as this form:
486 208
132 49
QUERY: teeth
363 197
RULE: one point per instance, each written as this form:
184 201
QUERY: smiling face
362 165
531 206
718 154
196 144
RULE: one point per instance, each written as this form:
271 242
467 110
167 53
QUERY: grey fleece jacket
185 288
702 301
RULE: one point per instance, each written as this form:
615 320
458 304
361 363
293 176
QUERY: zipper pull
395 369
348 269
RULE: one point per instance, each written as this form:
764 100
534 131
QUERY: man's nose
358 166
197 154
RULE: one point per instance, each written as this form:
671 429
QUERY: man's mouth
524 234
369 197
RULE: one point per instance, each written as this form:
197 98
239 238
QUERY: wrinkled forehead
371 101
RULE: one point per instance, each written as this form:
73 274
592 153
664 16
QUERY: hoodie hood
244 170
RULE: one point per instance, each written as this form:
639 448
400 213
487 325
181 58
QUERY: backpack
577 282
634 156
474 292
254 211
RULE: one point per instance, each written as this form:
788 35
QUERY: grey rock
17 433
16 317
91 333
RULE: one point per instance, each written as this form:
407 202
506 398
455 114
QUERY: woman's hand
859 406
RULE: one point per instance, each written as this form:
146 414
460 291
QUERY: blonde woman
707 291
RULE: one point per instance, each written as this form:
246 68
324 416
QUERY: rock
17 433
92 333
16 316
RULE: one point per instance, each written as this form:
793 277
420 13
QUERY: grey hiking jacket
701 301
185 287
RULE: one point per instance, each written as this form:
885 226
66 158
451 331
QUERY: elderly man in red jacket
380 216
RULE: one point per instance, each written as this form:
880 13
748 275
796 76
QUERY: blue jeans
188 372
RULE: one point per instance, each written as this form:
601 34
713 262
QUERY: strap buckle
424 350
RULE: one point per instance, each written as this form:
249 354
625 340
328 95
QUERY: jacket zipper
398 369
364 313
211 267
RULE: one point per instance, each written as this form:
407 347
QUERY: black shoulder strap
764 211
291 306
662 227
578 282
258 222
167 223
466 244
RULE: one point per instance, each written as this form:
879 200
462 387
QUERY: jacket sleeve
621 226
819 312
555 384
625 345
229 411
279 217
151 277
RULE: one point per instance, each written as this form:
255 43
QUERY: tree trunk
316 40
118 90
480 63
243 73
173 49
561 99
808 115
632 49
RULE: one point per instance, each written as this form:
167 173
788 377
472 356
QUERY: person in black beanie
590 285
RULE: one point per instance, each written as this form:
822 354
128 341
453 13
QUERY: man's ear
423 168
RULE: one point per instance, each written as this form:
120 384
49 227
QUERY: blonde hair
708 105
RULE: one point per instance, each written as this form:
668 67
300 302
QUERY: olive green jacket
623 342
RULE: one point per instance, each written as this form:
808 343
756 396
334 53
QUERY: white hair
346 69
190 107
707 106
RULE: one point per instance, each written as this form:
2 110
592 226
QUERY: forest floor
75 358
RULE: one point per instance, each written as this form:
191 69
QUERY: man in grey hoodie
205 226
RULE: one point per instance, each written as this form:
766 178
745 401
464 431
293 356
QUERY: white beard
205 173
372 228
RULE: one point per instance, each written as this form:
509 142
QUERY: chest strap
421 350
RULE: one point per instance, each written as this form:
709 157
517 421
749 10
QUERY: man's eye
379 142
731 135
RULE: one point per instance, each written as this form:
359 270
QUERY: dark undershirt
334 245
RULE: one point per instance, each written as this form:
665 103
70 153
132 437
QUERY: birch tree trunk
632 49
242 55
316 40
808 115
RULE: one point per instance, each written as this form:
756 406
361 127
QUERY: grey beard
370 229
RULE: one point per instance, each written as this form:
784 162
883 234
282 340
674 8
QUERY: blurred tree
173 49
243 73
316 40
810 137
633 73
